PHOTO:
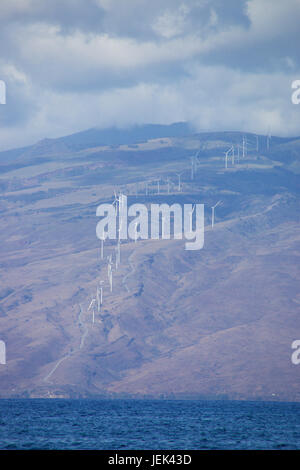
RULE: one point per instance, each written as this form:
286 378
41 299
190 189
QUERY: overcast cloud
74 64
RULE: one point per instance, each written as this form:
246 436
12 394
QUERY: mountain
132 135
212 323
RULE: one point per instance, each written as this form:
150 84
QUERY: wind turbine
93 301
253 146
118 252
226 156
158 187
179 180
168 185
244 146
101 293
148 189
98 299
102 245
100 296
118 247
194 164
213 213
116 200
109 267
109 271
116 256
191 218
238 154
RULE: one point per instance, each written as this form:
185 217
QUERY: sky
70 65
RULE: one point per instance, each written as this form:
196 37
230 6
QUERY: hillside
213 323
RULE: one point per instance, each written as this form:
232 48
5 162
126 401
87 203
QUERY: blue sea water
148 424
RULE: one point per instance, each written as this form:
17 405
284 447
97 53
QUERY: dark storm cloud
68 14
71 64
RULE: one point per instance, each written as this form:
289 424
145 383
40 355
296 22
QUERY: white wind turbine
158 185
98 299
232 156
118 247
99 296
227 153
101 292
102 245
119 203
213 213
116 257
116 199
238 152
191 218
168 185
244 144
179 180
253 146
93 301
118 252
109 271
109 266
194 164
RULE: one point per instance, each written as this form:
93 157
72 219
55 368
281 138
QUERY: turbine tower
158 186
213 213
109 267
168 185
179 180
194 164
191 217
227 153
232 156
244 146
238 154
93 301
102 245
101 293
98 299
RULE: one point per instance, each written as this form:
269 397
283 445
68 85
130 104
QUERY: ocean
148 424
